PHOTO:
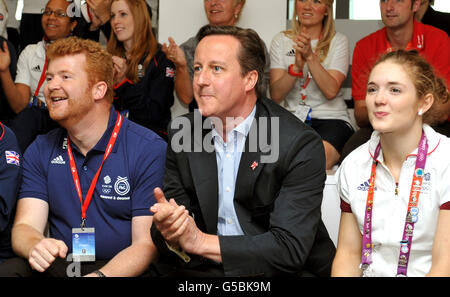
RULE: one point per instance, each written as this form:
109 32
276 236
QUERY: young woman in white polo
395 188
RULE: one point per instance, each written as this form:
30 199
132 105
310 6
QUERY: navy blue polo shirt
124 188
10 175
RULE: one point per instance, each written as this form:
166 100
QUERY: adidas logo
36 68
365 186
58 160
291 53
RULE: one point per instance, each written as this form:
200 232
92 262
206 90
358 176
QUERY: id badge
303 112
83 244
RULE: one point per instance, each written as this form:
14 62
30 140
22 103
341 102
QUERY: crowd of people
94 170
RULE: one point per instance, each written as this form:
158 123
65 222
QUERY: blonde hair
328 30
242 2
99 65
144 42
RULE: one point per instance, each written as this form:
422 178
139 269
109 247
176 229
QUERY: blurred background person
30 30
27 88
427 15
218 13
10 180
309 63
143 76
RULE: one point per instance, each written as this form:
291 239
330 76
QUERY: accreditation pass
83 244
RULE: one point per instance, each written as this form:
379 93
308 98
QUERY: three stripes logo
58 160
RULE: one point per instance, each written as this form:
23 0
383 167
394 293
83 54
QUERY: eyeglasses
58 13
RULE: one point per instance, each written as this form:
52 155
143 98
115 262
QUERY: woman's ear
426 104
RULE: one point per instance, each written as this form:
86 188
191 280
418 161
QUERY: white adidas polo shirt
389 210
30 66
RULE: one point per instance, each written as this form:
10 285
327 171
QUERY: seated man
255 206
10 177
90 180
401 31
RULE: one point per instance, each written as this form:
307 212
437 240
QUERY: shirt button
228 156
85 168
227 189
229 221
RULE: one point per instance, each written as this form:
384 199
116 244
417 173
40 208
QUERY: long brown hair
328 30
144 42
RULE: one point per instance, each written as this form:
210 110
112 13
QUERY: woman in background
218 13
394 189
309 63
144 77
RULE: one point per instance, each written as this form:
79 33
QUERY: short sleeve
149 175
444 197
340 54
34 181
23 75
342 184
276 52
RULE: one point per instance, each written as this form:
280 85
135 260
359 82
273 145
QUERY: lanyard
308 75
305 84
411 216
42 79
76 179
3 131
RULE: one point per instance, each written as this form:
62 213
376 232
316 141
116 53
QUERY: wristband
291 71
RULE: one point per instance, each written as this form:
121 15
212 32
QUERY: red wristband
291 71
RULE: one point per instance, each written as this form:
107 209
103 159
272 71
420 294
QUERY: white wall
181 20
357 29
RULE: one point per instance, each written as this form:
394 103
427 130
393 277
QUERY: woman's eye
371 90
396 90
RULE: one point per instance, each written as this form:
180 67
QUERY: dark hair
251 55
423 77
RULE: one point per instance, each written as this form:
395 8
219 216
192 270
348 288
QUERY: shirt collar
433 139
102 144
417 41
243 128
104 140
